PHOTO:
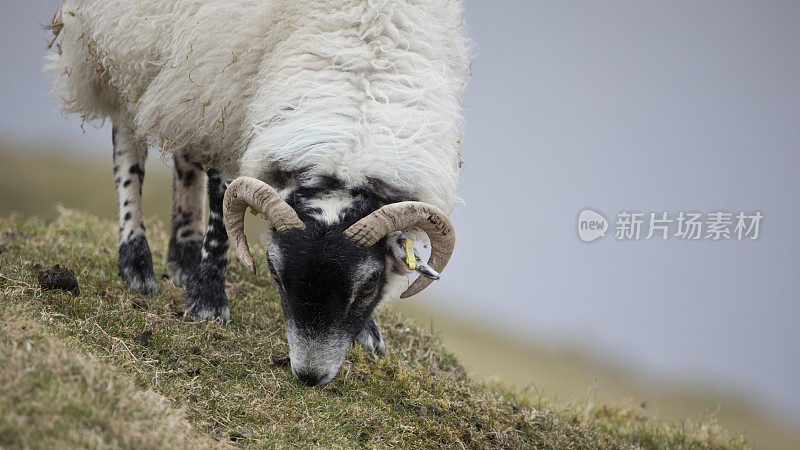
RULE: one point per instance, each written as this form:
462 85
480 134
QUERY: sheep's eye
366 291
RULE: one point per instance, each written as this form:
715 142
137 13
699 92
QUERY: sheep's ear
405 253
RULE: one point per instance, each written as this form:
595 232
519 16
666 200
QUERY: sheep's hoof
182 261
205 295
221 313
370 338
136 266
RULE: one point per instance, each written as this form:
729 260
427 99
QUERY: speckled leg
205 290
186 228
135 263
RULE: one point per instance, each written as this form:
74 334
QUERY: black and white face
329 284
329 287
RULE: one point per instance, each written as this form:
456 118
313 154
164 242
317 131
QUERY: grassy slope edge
233 383
54 397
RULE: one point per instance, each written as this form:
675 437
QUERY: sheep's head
331 276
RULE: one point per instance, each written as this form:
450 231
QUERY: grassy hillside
110 365
52 396
567 374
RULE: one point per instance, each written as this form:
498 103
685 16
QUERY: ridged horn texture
403 215
246 192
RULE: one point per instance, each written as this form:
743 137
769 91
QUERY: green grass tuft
231 383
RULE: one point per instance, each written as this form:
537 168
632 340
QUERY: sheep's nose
309 378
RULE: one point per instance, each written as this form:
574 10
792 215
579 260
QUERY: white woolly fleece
355 89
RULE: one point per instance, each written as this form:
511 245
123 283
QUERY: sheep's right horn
247 191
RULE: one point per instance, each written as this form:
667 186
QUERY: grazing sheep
340 121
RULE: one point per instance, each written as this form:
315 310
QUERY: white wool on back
356 89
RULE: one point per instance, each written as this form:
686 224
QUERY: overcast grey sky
614 105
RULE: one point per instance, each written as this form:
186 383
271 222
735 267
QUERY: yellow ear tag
411 261
253 212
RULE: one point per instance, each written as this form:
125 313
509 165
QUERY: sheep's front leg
186 228
135 263
370 338
205 290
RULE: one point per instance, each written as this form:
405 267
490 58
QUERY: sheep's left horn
398 217
247 191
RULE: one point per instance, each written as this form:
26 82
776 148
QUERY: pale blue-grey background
614 105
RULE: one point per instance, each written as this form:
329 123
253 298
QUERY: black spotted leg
135 263
205 290
186 227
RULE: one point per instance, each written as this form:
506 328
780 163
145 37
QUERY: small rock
57 277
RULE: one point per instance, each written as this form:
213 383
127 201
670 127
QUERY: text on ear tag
253 212
411 261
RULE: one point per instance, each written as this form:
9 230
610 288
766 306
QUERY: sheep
340 121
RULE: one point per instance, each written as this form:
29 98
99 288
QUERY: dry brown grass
54 397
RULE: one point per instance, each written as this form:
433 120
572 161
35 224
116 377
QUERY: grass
54 397
108 367
566 374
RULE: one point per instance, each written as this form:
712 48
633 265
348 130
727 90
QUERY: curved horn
398 217
247 191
